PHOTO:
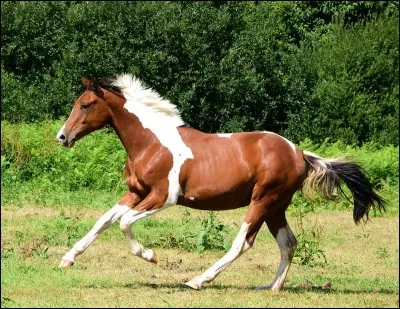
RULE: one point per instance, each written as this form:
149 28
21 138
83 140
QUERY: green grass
362 262
51 197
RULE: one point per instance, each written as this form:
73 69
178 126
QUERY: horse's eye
84 106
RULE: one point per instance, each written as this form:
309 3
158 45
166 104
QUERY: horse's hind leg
100 226
243 241
280 229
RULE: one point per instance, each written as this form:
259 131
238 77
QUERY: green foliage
30 153
33 161
311 69
207 236
308 251
348 84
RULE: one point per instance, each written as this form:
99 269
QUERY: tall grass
36 170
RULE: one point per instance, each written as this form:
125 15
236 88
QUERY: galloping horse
172 163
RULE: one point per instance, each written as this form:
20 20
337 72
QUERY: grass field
362 262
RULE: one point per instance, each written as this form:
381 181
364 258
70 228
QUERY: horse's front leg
115 213
150 205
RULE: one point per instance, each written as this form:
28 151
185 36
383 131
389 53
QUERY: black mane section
102 82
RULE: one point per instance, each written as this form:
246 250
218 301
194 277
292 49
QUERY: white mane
138 96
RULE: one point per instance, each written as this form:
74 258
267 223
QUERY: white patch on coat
162 118
226 135
289 142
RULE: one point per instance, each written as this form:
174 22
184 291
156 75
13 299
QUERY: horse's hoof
269 287
66 263
193 285
154 259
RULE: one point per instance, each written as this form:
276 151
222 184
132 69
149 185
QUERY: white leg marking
102 224
239 246
287 246
135 247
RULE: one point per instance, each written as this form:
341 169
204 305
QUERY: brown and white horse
171 163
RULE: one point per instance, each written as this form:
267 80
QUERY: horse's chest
149 169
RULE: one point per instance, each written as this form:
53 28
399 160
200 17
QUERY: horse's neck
129 129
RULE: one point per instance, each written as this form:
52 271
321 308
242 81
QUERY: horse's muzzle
64 141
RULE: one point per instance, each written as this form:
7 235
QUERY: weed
209 237
308 251
73 231
206 237
174 241
382 253
35 247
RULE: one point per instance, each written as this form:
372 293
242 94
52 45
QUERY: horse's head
90 113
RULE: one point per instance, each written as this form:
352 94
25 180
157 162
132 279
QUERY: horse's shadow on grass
253 288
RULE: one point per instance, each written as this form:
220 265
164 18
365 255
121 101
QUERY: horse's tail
326 175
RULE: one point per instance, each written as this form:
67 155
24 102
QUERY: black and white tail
326 175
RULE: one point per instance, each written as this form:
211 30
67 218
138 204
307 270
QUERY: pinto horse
170 163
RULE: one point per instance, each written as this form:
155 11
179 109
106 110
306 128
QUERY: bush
302 69
31 155
346 86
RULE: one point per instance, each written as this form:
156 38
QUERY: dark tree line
304 69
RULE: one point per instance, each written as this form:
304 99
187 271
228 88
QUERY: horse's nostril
62 136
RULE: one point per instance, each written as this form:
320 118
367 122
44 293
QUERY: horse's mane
103 82
137 92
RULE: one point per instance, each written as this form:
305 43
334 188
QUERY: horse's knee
125 224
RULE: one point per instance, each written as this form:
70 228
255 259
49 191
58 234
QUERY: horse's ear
85 81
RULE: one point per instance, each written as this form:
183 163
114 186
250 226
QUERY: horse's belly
219 177
221 202
221 194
